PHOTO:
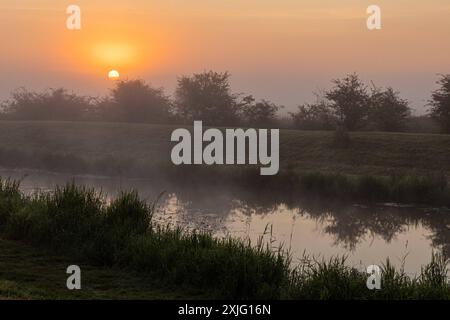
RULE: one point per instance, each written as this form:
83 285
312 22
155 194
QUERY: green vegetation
78 223
28 272
333 279
373 166
404 189
440 103
134 145
352 105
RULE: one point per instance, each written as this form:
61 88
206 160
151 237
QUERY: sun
113 75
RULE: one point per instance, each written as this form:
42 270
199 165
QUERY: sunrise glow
113 75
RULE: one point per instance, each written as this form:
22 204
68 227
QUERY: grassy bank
78 223
375 166
27 272
134 145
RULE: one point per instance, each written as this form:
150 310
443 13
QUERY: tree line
349 104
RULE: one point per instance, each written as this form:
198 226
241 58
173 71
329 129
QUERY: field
368 153
376 166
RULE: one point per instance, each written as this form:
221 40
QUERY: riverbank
369 153
78 223
390 167
27 272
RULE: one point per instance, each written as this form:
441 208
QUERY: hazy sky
280 50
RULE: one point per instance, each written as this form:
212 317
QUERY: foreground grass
78 223
395 167
30 273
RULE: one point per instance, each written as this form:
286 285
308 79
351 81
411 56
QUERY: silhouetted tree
52 104
315 116
387 111
349 100
136 101
206 96
259 114
440 103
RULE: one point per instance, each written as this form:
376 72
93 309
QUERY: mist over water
365 234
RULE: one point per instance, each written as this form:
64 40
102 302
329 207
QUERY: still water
367 235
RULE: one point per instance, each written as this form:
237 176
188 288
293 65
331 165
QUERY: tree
349 99
259 114
52 104
440 103
206 96
314 116
387 111
136 101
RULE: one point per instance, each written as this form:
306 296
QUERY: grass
76 222
404 188
28 272
133 145
333 279
375 166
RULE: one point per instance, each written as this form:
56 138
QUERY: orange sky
276 49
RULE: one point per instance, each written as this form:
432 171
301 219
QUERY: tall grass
405 188
78 222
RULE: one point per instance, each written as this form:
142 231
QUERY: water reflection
367 234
